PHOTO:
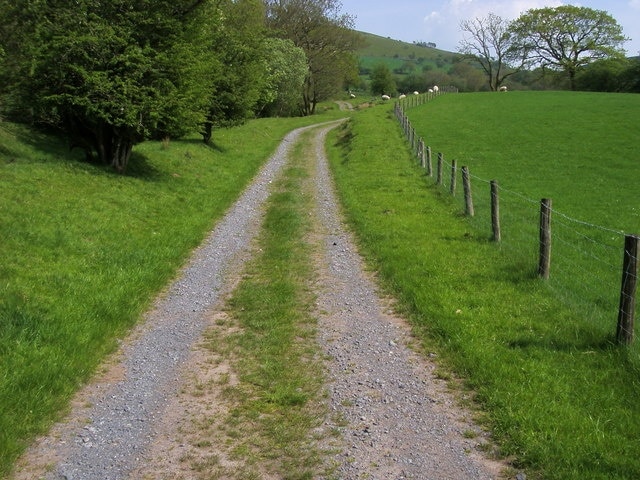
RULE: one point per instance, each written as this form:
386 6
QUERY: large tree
567 38
109 74
490 44
327 38
239 78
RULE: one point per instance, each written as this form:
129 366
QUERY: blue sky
438 20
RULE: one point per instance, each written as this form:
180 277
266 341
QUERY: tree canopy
327 39
567 38
111 74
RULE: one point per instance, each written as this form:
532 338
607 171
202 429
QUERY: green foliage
559 397
328 41
566 38
241 76
110 79
286 71
382 82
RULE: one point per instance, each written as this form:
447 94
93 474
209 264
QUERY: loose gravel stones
396 420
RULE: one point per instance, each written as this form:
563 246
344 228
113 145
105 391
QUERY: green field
558 395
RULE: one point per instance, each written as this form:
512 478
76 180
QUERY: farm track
395 418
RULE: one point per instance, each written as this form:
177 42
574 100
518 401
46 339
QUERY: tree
492 46
286 67
327 38
382 82
240 76
567 38
110 74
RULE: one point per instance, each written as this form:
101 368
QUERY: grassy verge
275 404
85 251
559 398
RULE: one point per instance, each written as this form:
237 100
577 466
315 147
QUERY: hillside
402 55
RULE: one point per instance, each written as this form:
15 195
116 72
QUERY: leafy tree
110 74
567 38
327 38
382 82
241 74
286 67
492 46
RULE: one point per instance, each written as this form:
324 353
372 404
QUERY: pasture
537 357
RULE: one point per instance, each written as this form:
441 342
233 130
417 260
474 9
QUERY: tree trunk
121 152
207 133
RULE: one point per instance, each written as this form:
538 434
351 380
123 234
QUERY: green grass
276 403
578 149
559 397
84 252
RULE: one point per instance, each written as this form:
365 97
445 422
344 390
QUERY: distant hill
401 57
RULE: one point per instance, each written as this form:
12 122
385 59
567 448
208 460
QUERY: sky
438 21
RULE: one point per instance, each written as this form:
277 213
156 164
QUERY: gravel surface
401 421
397 420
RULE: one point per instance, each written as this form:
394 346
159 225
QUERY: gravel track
397 420
401 421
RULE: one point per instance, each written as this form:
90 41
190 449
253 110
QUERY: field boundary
593 249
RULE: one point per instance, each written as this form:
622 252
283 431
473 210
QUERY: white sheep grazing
352 95
436 89
416 93
402 96
386 97
503 88
430 90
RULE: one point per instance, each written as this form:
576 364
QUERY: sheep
503 88
430 90
402 96
352 95
416 93
436 89
386 97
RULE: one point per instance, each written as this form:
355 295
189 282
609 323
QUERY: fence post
495 211
421 152
544 264
429 166
452 186
626 312
439 172
466 185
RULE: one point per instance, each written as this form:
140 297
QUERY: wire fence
590 268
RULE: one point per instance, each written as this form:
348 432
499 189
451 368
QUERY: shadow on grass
586 345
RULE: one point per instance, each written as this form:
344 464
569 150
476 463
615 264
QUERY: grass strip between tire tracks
277 402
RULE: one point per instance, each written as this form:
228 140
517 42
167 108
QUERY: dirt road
397 420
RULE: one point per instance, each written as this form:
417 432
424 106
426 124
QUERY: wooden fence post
452 186
544 264
495 211
429 166
466 185
439 172
421 152
626 312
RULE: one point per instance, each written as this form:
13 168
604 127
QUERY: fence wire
586 259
